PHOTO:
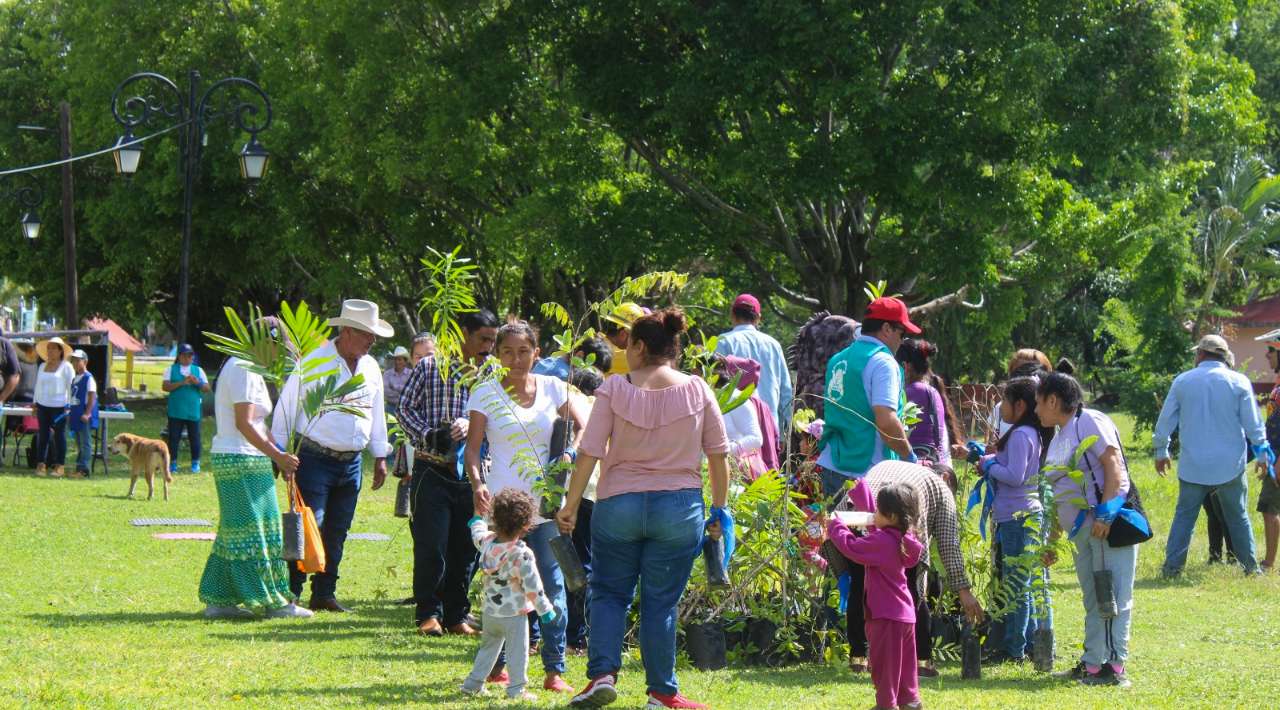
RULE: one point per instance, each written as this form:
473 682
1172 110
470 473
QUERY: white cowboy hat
401 351
42 348
362 315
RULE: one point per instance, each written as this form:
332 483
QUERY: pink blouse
652 440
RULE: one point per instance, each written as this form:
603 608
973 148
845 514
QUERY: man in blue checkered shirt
433 413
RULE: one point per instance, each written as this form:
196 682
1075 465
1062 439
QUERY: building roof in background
118 336
1262 312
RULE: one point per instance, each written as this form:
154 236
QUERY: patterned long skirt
245 566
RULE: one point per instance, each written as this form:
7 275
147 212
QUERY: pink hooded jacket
881 553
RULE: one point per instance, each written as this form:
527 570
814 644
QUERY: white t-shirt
519 437
743 429
53 389
237 385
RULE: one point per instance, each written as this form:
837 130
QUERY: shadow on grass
396 693
803 675
128 618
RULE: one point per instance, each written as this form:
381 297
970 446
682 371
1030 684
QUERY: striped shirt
937 512
429 402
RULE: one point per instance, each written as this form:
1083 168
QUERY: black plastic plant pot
1042 650
762 634
970 655
1105 592
575 575
403 489
291 527
713 557
706 646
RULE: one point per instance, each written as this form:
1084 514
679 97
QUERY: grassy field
99 614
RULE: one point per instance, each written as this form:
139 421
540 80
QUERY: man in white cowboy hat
1269 496
1213 409
329 459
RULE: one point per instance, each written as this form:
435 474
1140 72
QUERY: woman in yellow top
617 330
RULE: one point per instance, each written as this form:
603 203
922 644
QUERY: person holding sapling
516 414
1012 474
1086 488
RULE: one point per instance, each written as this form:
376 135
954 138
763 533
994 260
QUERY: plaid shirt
937 512
428 402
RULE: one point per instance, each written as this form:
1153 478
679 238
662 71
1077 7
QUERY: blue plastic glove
986 465
1264 450
912 458
844 584
548 617
725 518
976 451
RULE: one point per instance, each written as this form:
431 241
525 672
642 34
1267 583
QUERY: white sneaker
292 611
227 612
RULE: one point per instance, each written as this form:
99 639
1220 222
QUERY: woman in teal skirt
246 572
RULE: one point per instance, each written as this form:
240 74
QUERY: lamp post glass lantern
127 158
31 225
233 100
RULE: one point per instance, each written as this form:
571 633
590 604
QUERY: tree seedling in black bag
1105 593
713 558
403 489
970 653
575 575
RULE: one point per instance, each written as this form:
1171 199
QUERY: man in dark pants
329 454
1218 532
433 413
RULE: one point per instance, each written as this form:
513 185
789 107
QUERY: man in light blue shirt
745 340
1213 409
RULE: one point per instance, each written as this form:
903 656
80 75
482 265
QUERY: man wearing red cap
746 341
865 398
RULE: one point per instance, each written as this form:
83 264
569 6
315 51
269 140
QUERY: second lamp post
193 112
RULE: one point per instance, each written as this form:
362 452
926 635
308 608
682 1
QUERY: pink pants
893 662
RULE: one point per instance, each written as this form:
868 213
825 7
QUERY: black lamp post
28 198
193 112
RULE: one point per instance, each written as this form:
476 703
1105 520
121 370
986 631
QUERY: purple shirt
1090 422
885 554
1013 472
932 428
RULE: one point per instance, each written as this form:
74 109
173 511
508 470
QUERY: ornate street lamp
241 102
29 198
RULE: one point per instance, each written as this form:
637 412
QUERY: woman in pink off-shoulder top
650 430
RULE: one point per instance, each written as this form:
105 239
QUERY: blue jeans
1020 623
1105 640
1235 515
553 633
175 439
651 538
84 447
330 488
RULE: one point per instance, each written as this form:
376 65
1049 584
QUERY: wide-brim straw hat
42 347
362 315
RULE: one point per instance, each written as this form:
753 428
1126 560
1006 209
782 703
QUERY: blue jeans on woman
1020 624
553 633
651 538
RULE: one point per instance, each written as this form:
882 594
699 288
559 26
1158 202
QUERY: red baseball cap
891 310
749 301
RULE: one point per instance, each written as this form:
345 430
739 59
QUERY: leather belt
309 446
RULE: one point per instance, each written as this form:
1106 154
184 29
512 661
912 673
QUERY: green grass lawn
97 613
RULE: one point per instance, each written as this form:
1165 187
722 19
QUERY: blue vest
80 395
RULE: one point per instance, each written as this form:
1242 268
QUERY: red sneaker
499 677
598 693
658 700
556 684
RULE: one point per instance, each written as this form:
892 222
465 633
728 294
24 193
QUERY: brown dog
146 456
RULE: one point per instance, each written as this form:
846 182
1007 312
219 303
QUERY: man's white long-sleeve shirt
337 430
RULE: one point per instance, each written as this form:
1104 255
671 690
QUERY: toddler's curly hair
512 512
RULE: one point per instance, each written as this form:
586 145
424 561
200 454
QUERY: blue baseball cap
186 349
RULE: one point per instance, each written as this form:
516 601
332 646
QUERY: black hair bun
674 321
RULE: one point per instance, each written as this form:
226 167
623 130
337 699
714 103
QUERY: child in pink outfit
886 553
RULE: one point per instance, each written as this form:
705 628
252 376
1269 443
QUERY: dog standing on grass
146 458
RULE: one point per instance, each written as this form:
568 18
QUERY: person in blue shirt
746 341
186 384
1213 409
560 366
83 412
865 399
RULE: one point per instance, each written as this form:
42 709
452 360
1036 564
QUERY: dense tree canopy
1025 173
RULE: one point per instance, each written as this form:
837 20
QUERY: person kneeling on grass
512 588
